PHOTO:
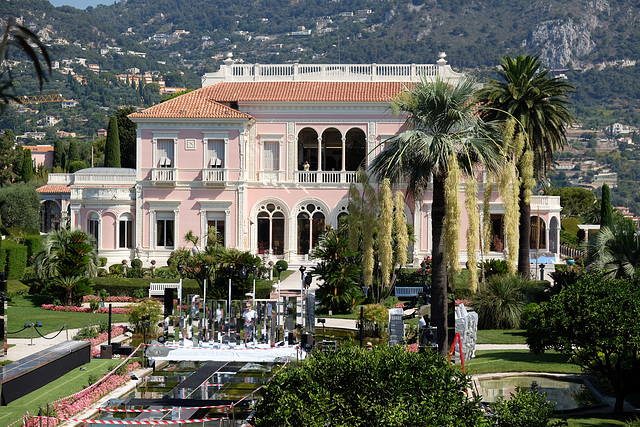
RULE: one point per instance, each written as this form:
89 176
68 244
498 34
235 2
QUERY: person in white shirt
249 315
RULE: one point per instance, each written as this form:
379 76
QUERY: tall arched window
311 225
538 238
271 223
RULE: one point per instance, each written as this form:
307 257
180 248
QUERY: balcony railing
326 177
164 175
214 176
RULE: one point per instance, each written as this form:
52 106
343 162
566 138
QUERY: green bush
76 166
16 259
33 244
147 307
499 305
116 270
382 387
525 408
167 273
136 263
103 262
127 286
284 264
570 225
569 239
94 304
135 273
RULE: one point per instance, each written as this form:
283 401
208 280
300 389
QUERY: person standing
249 315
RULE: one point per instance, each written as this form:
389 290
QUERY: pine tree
112 147
27 166
606 210
58 154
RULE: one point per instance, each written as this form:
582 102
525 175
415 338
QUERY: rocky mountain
576 34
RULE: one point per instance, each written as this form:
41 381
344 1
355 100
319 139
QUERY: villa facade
266 155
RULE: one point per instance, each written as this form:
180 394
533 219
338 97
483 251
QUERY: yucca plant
500 304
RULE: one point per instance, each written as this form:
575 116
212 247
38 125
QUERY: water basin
569 392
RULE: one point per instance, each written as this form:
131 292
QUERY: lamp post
180 269
205 269
279 269
302 270
229 306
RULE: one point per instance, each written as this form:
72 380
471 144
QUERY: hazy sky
80 4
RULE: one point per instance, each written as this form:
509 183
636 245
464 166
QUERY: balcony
214 177
164 176
326 177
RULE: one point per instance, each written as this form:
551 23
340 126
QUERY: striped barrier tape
217 349
158 410
141 422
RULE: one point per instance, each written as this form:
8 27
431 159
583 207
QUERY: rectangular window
126 234
164 153
93 228
215 153
218 224
164 232
271 156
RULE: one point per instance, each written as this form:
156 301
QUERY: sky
79 4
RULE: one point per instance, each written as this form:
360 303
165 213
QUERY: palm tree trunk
525 237
439 269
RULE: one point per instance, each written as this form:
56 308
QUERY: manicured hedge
33 244
15 258
121 286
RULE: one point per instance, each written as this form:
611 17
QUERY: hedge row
13 259
124 286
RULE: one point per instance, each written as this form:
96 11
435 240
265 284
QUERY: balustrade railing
327 177
214 175
164 175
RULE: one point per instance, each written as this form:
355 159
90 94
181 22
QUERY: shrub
116 270
148 307
94 305
16 259
383 387
33 244
570 225
284 264
103 261
136 263
140 293
135 273
525 408
167 273
500 304
375 319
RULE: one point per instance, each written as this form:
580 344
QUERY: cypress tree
58 154
27 166
73 152
606 210
112 147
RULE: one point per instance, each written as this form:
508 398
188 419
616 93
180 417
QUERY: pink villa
266 155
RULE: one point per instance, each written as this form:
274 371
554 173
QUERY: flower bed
84 309
89 298
82 400
102 337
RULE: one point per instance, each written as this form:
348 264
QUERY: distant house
102 132
42 155
63 134
51 121
619 129
611 179
94 67
38 136
69 103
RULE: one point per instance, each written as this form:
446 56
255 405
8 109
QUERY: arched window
125 230
311 225
356 150
538 237
271 223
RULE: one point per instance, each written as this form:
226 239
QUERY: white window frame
126 218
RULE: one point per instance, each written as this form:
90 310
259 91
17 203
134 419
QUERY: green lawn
26 308
519 361
68 384
501 336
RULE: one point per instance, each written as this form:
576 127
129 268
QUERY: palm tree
539 105
615 250
66 253
22 38
441 125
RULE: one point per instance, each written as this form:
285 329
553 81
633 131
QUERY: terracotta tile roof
193 105
205 102
50 189
38 148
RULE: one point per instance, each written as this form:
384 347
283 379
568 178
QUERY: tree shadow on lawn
487 361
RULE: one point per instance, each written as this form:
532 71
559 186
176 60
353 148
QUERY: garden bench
407 292
157 289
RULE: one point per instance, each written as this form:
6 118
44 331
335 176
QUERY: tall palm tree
539 105
441 125
17 36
